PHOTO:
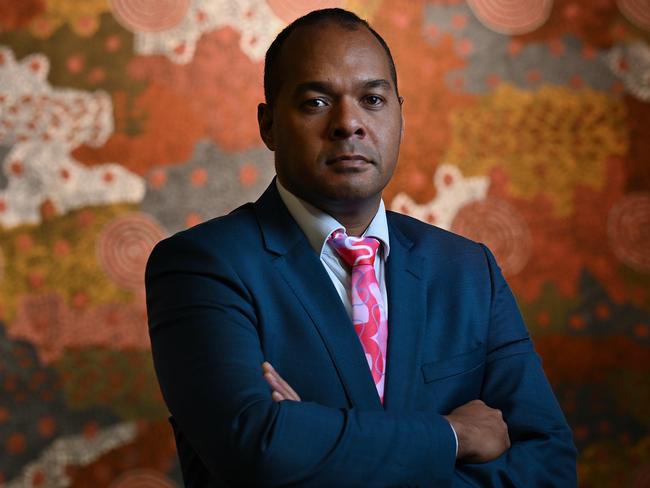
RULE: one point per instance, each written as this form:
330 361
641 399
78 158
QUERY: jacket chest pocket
454 381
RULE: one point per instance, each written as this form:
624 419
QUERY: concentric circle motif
124 246
149 15
143 478
500 227
511 16
290 10
636 11
628 227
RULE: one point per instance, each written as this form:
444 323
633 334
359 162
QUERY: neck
355 215
355 219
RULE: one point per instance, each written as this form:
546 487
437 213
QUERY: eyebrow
385 84
327 88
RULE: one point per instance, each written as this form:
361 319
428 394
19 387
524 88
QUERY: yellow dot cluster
547 141
74 12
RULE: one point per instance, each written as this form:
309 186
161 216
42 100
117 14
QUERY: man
251 315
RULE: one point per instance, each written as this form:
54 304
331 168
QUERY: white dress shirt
318 226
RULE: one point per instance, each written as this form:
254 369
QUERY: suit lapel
306 277
406 319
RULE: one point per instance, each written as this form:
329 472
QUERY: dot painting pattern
122 122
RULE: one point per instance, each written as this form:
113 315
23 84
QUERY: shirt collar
318 225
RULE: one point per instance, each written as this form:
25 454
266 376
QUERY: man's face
336 123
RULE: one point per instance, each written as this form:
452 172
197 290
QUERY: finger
281 386
278 383
271 377
286 389
272 380
266 367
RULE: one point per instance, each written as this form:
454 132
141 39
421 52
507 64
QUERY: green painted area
631 389
639 281
548 314
59 255
608 463
123 381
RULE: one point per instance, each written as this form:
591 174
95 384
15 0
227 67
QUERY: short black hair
343 18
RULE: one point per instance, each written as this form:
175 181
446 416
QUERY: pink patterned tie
368 310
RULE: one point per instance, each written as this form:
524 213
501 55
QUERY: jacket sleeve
542 452
207 355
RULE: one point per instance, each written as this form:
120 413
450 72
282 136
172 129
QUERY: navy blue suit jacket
228 294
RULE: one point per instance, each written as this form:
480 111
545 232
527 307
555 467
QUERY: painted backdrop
122 121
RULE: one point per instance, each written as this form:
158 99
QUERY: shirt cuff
455 437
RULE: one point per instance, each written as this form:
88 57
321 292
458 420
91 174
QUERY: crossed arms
482 434
207 339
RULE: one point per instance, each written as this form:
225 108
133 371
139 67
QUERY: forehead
333 53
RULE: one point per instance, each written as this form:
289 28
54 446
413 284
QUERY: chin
349 194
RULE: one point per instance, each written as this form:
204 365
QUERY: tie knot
355 251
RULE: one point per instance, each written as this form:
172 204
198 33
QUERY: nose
346 121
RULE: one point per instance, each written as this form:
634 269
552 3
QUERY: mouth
350 161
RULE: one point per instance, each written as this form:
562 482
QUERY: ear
401 130
265 123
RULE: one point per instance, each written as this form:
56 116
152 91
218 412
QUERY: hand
482 433
281 389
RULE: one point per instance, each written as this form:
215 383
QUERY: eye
313 103
373 100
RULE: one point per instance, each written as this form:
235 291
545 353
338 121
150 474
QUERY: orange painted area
16 15
593 22
289 10
422 66
637 163
152 451
224 105
167 136
564 247
589 359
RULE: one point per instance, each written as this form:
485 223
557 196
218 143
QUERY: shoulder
445 253
430 238
216 239
238 224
